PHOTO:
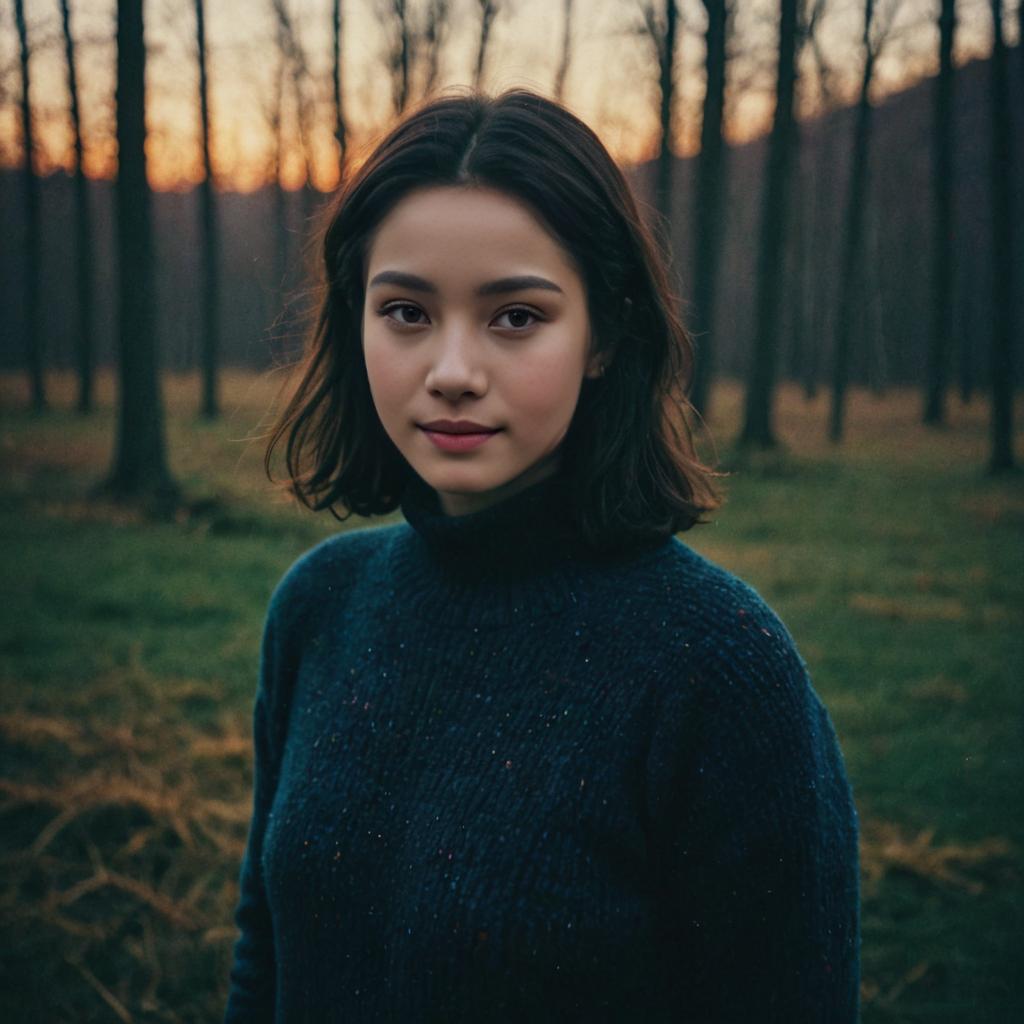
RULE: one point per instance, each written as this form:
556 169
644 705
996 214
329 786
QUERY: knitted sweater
500 777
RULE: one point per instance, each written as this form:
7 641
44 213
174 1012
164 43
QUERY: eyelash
537 318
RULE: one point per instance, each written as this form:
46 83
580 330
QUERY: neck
458 504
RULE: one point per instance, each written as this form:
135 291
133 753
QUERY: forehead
465 232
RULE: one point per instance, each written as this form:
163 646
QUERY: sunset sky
612 80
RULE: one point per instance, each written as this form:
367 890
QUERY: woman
525 757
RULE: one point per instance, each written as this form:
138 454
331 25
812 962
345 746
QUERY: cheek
547 389
383 371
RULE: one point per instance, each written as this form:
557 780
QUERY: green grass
128 655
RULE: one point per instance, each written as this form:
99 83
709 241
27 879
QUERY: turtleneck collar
515 560
504 563
529 530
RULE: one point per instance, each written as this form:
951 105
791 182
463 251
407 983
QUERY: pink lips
458 442
457 435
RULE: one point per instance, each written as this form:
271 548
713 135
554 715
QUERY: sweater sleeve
756 835
251 996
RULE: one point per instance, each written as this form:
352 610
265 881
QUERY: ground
128 656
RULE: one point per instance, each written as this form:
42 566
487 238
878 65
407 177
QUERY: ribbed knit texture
500 777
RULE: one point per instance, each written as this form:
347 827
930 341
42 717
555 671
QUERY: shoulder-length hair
629 450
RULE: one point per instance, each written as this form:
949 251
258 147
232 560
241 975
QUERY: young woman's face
475 324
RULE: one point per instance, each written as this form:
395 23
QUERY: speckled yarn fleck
500 777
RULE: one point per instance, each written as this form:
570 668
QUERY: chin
451 484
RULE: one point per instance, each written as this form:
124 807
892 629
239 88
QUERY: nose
456 367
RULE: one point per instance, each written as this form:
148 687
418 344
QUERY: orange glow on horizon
242 148
170 168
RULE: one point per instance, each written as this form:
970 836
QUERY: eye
405 314
519 318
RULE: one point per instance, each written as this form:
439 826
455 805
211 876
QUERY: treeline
870 246
264 265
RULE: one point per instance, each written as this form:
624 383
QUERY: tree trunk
83 232
663 186
874 307
210 238
708 196
434 32
281 261
942 224
1002 254
563 64
33 254
821 274
488 10
797 270
966 317
340 129
851 277
758 430
400 56
140 468
806 372
302 85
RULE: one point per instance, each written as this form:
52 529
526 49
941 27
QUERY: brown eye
406 314
518 319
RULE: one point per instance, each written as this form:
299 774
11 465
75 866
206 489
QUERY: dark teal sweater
502 778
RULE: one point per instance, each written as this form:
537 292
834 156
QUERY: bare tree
33 254
797 271
661 27
340 128
489 10
967 291
758 429
801 267
302 86
140 466
272 108
435 30
851 277
414 45
707 198
1003 298
83 229
563 63
828 144
209 234
943 142
397 16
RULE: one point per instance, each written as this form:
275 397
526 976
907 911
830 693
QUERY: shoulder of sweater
336 565
686 595
729 676
715 630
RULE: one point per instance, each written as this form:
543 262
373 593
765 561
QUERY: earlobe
596 363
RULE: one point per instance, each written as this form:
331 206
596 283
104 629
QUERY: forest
839 190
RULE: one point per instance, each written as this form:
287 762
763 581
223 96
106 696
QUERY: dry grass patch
123 831
887 847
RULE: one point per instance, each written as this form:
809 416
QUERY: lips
466 437
458 427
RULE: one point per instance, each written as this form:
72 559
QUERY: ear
597 362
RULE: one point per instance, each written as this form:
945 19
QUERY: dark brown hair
629 450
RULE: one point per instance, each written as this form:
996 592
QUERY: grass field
128 655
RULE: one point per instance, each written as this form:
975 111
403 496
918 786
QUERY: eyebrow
503 285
